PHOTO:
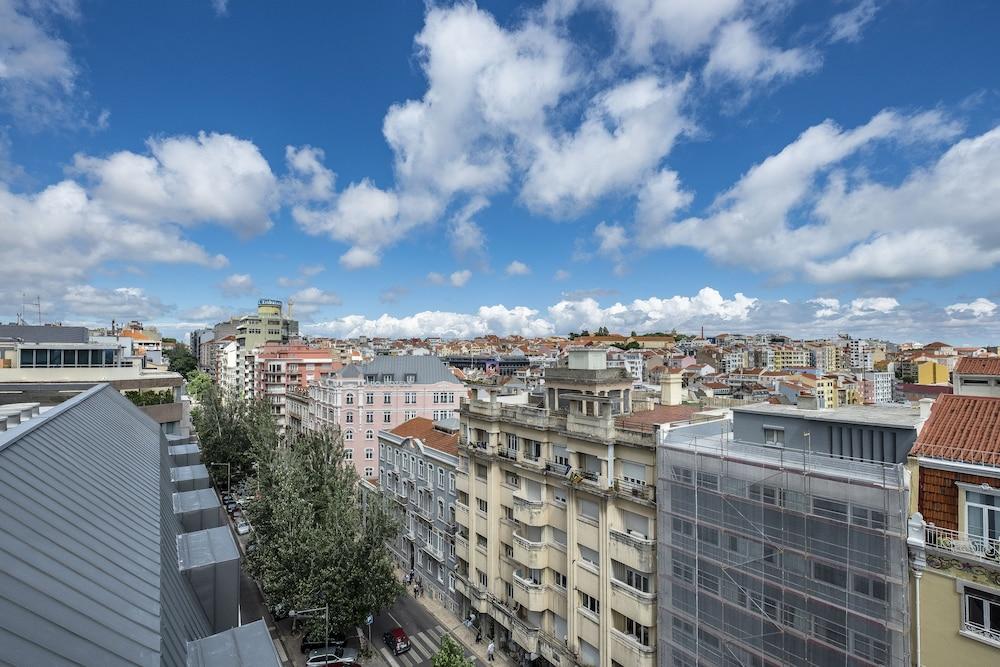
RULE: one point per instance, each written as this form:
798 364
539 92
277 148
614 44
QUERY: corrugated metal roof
247 646
88 563
206 547
191 501
45 334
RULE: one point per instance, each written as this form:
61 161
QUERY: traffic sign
369 620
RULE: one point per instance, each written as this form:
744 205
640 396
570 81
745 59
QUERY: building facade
280 368
417 461
556 520
360 400
774 552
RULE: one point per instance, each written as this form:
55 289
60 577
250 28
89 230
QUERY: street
425 632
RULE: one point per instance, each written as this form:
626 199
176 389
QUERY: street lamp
311 612
229 475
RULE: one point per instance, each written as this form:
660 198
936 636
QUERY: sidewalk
458 630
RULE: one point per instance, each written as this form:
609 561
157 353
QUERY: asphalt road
425 632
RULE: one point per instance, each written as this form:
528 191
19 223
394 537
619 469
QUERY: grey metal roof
45 334
191 501
88 561
181 450
249 645
206 547
428 369
188 473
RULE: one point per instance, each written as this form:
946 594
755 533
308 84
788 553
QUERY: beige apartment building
555 537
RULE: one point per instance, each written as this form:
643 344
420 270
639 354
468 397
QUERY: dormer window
411 378
386 378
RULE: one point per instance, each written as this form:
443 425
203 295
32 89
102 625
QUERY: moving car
311 643
339 656
397 641
243 527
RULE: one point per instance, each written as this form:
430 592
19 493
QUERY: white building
876 387
859 354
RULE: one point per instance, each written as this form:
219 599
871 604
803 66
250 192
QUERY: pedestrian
489 651
407 578
479 635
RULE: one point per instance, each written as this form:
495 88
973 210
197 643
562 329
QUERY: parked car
335 656
243 527
397 641
230 506
311 643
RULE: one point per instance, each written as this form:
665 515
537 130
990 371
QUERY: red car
397 641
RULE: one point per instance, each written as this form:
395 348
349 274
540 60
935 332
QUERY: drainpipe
917 546
916 603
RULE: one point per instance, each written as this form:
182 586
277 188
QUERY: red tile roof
661 414
978 366
423 429
962 428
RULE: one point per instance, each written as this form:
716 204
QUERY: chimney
925 407
670 388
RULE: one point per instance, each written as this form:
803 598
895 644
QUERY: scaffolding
776 556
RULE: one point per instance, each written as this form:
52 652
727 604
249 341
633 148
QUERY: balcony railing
510 454
556 468
635 489
963 544
980 631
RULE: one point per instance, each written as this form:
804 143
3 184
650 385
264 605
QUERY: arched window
369 453
350 417
349 399
369 434
348 434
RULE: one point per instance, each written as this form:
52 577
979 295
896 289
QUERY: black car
311 643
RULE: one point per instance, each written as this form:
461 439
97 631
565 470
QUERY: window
509 590
640 632
982 613
386 398
369 434
870 649
830 509
558 579
873 588
410 398
682 569
369 453
682 527
679 474
409 414
559 495
420 468
591 604
481 471
349 417
983 514
830 630
708 480
508 512
451 481
513 479
508 551
483 580
483 505
348 454
369 417
369 473
830 574
440 509
348 434
774 435
410 377
708 581
381 454
386 417
589 555
481 541
708 535
370 398
440 478
349 399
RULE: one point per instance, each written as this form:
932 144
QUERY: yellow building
824 388
953 538
931 372
556 514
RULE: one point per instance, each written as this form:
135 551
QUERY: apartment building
788 356
630 360
783 540
977 376
362 399
876 387
280 368
556 519
859 355
955 533
417 461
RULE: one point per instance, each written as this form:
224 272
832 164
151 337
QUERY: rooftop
962 428
423 429
893 416
978 366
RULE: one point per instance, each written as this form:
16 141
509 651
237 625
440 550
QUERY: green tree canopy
198 383
450 654
181 360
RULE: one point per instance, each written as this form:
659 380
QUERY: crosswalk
423 645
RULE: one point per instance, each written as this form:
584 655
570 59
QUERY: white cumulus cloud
517 268
981 307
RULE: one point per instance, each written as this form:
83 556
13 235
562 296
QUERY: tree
181 360
224 428
198 383
602 331
315 543
450 654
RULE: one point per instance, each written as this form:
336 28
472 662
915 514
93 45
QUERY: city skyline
532 169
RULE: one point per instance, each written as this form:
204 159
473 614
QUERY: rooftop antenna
291 302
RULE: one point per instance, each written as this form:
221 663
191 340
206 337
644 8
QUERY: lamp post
315 610
229 475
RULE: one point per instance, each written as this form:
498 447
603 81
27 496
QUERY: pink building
380 395
281 367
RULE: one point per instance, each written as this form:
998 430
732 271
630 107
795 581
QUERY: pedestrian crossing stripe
423 646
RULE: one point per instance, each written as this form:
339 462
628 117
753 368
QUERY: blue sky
400 169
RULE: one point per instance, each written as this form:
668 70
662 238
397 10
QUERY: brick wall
938 495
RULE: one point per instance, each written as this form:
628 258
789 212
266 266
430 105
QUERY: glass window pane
95 357
109 357
69 357
975 611
55 357
27 358
975 515
41 357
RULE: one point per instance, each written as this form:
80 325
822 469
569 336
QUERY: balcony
626 650
560 469
633 603
505 453
525 415
530 595
462 483
533 555
462 547
434 550
590 479
639 553
973 547
424 513
524 636
461 585
601 429
637 491
530 512
461 514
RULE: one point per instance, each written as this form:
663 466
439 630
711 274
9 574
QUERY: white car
243 527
